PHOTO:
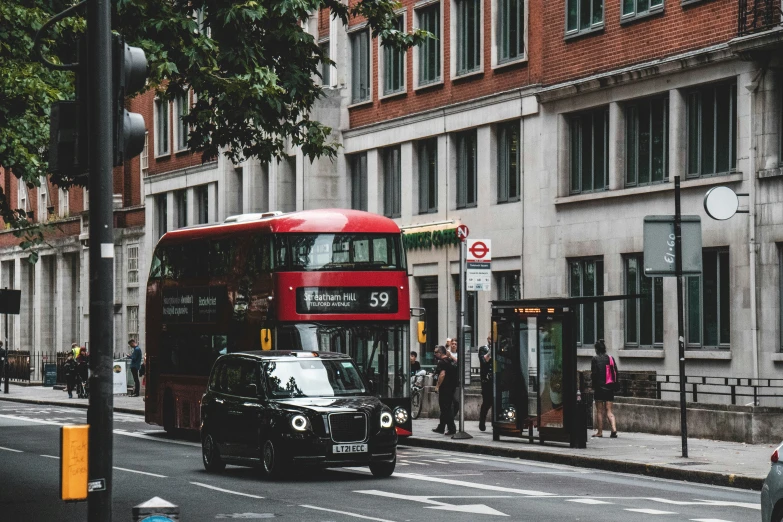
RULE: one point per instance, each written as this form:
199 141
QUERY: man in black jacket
447 384
485 371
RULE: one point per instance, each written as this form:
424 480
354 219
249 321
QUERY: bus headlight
386 420
299 422
400 415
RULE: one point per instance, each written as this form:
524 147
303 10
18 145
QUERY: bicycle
417 392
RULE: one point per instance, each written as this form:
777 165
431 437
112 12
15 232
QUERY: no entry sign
462 232
478 265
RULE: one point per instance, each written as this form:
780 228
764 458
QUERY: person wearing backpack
604 374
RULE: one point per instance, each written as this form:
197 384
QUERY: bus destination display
346 300
192 305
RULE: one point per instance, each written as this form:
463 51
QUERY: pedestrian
604 375
135 365
415 365
70 370
453 349
485 372
447 384
82 371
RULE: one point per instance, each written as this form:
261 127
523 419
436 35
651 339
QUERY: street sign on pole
462 232
478 273
660 248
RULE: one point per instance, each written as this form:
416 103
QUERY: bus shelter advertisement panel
346 300
193 305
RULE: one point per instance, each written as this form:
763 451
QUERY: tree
251 64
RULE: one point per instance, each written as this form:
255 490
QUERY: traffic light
68 131
129 75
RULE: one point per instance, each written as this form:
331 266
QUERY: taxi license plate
350 448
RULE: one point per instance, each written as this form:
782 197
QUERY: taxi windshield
313 378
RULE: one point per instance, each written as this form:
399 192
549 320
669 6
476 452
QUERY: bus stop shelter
537 392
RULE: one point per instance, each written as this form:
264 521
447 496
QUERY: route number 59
377 298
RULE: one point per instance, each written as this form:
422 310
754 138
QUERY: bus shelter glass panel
550 371
513 380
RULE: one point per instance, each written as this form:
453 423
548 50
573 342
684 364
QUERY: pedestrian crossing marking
652 511
590 501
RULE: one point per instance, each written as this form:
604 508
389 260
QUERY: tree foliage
253 68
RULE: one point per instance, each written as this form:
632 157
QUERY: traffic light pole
100 414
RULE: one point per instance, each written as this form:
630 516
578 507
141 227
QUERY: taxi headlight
386 420
299 422
400 415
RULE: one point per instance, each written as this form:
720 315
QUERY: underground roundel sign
478 265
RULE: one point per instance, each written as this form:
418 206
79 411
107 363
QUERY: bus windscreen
343 252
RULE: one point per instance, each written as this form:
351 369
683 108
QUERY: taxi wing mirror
266 339
422 331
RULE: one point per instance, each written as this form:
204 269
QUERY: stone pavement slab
712 462
48 395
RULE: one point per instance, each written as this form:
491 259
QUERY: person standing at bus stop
135 365
604 375
485 371
447 384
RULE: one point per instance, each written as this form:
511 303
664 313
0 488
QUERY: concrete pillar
443 175
16 322
37 288
190 211
170 211
299 179
409 193
254 191
771 98
678 134
616 146
563 156
272 169
212 198
60 303
484 174
374 192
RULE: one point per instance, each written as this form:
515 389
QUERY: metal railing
26 367
758 15
746 390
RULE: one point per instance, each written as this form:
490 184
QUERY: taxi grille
348 427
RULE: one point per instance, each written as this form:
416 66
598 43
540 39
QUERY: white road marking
414 462
590 501
225 490
476 509
709 520
28 419
140 472
157 439
12 450
344 513
724 503
473 485
51 457
652 511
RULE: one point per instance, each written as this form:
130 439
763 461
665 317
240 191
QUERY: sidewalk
46 395
711 462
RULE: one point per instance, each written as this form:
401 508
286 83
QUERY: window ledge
360 104
715 355
777 357
585 352
467 75
584 32
165 155
429 85
642 353
630 19
425 3
686 3
395 94
180 151
770 173
660 187
510 63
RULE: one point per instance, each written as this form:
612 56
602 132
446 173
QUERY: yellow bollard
73 462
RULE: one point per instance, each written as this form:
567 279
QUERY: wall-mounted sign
346 300
193 305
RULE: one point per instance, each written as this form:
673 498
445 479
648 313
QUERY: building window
468 36
589 151
360 71
466 169
202 203
511 30
647 142
643 316
429 49
394 66
144 161
359 181
707 302
587 280
428 176
183 109
584 15
161 127
65 202
133 263
161 213
133 322
632 8
326 67
508 162
508 285
391 182
181 204
712 124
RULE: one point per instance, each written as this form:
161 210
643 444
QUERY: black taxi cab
278 409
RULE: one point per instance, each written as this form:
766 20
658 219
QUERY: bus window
155 269
281 252
380 252
221 257
260 256
343 252
361 250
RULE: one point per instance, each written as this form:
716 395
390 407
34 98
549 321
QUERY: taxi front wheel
383 469
210 454
271 459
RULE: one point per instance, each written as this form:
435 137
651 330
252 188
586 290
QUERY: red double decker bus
316 280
